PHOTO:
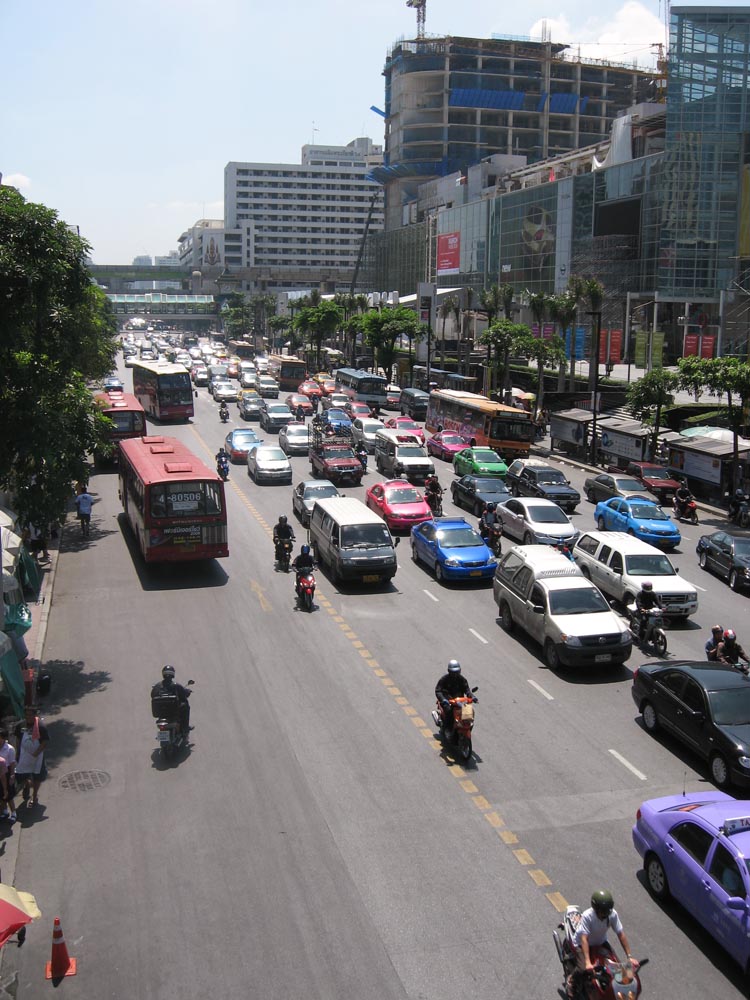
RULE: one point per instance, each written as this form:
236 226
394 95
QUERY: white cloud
19 181
627 37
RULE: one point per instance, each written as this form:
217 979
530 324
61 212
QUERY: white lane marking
540 689
478 636
432 597
626 763
702 589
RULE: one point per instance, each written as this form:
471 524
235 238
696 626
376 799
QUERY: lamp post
597 315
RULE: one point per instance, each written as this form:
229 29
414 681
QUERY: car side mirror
396 540
737 903
538 609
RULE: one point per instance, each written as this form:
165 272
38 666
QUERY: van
619 563
413 403
542 592
352 541
399 454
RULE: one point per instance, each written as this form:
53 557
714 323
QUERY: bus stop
569 432
708 465
620 441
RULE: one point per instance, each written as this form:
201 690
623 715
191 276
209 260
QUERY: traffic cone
60 964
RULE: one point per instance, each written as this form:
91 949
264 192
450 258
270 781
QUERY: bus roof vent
162 448
154 439
178 467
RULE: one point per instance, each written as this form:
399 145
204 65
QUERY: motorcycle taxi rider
645 600
731 652
489 520
736 502
682 498
167 685
592 932
223 410
301 564
282 532
451 685
433 490
222 456
712 644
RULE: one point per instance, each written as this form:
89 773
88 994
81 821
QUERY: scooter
224 415
492 536
459 734
739 513
654 631
169 733
222 467
610 979
435 502
687 511
283 553
361 454
306 589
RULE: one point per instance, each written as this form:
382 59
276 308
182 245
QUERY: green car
479 462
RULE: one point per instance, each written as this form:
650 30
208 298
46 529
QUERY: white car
269 463
364 431
295 439
224 391
534 521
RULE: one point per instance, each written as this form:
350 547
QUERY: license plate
602 657
475 572
371 578
163 737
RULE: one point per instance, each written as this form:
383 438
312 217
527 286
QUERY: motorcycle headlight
744 762
571 640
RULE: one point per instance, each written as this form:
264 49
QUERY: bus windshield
185 499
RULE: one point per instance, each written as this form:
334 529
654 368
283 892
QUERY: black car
727 555
249 407
530 479
706 705
473 492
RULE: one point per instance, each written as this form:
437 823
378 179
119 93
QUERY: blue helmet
305 550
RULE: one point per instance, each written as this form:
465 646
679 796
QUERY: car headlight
625 638
746 571
571 640
452 561
744 762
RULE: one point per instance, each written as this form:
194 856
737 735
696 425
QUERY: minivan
399 454
352 541
413 403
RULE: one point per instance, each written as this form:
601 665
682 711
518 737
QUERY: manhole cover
83 781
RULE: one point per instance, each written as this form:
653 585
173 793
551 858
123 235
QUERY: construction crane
421 8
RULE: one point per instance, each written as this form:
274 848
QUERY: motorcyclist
712 645
282 532
592 933
731 652
451 685
224 411
736 502
168 686
682 498
314 404
303 562
360 453
645 600
300 413
222 456
488 520
433 492
564 549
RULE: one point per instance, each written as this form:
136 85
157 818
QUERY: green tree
562 310
237 316
546 353
501 337
279 326
324 320
383 328
507 294
593 292
648 396
447 308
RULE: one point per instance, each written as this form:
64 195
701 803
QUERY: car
131 360
249 404
199 375
296 399
294 438
611 484
453 549
195 353
480 461
392 397
356 409
334 401
534 521
706 706
655 478
233 368
238 442
727 556
307 493
267 387
639 516
309 388
224 390
532 478
247 379
364 431
446 445
328 385
273 416
405 425
113 383
399 503
320 377
184 359
474 492
268 462
336 418
694 848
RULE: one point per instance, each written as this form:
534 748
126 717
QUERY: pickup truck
332 457
531 478
655 478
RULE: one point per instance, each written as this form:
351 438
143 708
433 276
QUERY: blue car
337 418
638 516
453 549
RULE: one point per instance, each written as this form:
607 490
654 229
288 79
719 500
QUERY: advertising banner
690 345
548 331
610 347
623 445
641 345
449 253
707 346
579 343
657 349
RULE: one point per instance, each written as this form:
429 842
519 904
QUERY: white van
398 453
352 541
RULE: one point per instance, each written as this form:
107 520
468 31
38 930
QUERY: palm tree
507 292
594 293
576 292
446 309
562 310
466 313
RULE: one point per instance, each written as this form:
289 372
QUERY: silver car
307 493
274 416
295 439
364 430
268 463
532 521
224 391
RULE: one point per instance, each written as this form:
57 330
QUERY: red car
400 504
328 386
297 399
446 444
405 425
310 389
355 409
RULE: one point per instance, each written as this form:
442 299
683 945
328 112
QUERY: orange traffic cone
60 964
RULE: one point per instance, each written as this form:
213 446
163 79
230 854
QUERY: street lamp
597 315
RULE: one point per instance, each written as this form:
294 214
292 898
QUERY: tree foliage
648 396
383 328
501 337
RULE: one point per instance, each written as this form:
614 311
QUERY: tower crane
421 8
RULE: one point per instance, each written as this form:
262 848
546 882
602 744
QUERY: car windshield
319 491
649 565
491 486
551 476
730 707
649 512
244 437
338 453
486 455
577 601
402 495
410 451
270 455
657 473
628 485
547 515
458 538
742 546
364 536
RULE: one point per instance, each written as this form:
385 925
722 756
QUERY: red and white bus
127 416
175 503
482 422
287 370
164 390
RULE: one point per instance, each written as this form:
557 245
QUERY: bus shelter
569 431
709 466
620 441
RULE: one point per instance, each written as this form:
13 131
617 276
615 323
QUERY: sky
122 117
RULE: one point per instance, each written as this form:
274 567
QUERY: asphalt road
316 842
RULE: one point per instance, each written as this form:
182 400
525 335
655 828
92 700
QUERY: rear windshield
365 536
185 500
579 601
547 515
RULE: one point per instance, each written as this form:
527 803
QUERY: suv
399 454
548 596
618 563
531 478
655 478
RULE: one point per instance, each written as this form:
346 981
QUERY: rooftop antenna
421 8
314 130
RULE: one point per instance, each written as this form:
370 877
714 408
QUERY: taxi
399 503
694 848
309 388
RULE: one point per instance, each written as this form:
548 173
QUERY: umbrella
716 434
16 910
11 542
8 518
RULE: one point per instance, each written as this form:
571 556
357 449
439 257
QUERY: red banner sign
690 346
610 347
449 253
707 346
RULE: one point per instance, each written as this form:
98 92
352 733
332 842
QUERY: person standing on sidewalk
8 757
31 739
84 503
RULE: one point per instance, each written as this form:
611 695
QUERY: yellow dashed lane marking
481 802
539 877
380 673
419 722
409 710
507 837
494 819
469 786
358 644
523 857
393 691
402 701
559 901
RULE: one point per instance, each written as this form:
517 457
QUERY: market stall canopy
16 910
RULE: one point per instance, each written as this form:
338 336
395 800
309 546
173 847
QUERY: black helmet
648 586
739 493
282 519
167 672
491 506
730 635
602 902
305 550
454 667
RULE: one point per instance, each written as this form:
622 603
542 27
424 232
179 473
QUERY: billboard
449 253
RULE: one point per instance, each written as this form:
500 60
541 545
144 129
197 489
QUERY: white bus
362 386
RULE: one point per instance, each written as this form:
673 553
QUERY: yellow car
321 377
246 392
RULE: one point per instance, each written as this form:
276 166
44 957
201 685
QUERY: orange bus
288 371
175 504
127 416
164 390
482 422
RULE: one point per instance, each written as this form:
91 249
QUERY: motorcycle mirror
396 540
474 689
191 681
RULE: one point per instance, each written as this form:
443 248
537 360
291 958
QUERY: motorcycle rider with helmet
282 532
731 652
302 564
645 600
592 933
489 519
223 411
736 502
360 453
169 687
451 685
682 498
433 492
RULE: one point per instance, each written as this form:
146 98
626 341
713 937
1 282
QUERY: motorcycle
685 510
654 631
492 536
284 548
361 454
739 513
224 415
222 467
169 733
459 734
610 979
434 500
306 589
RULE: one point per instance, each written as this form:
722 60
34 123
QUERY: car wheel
719 770
414 555
600 523
590 496
702 559
528 538
649 716
586 572
439 573
550 655
656 877
506 618
734 580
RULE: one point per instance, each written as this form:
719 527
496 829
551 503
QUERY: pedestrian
8 758
38 543
84 502
31 740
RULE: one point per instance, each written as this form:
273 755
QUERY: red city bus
175 503
127 415
482 422
164 390
287 370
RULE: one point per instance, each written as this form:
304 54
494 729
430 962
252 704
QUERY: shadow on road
71 682
64 738
171 576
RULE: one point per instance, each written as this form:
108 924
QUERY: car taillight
635 673
638 816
